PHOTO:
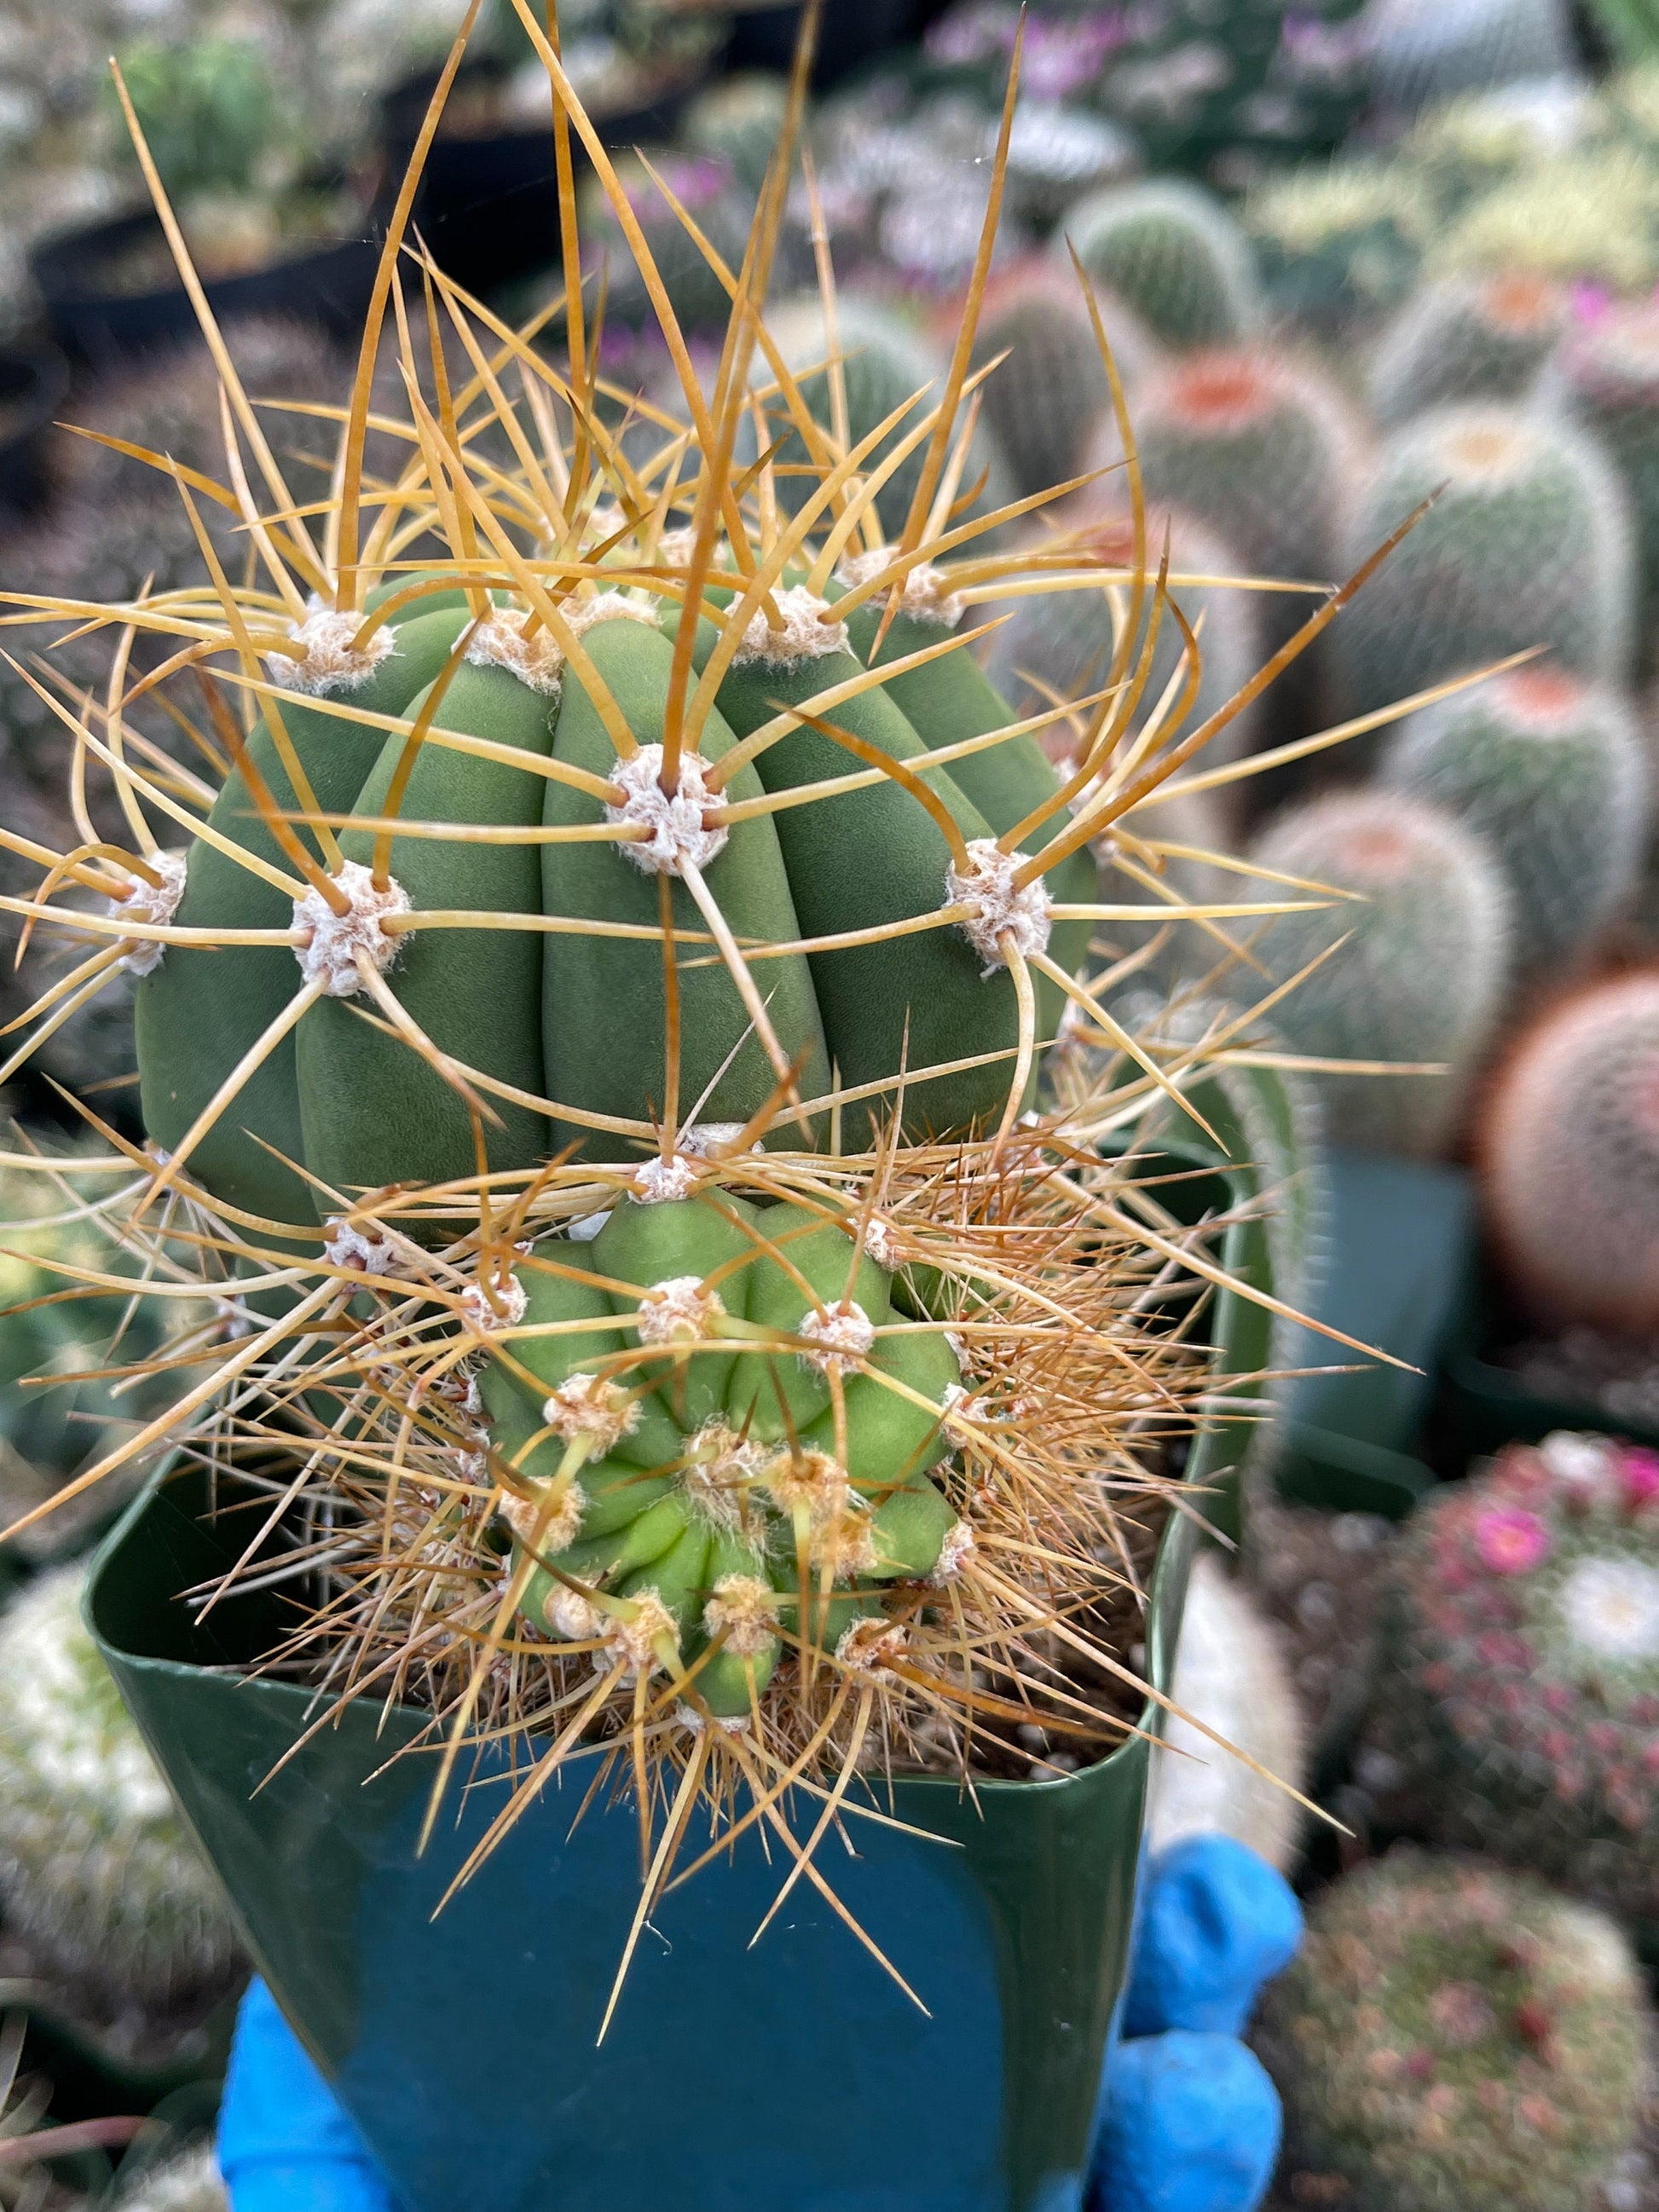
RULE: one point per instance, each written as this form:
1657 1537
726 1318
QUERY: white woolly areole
870 1645
570 1614
842 1336
954 1554
802 635
680 834
881 1243
472 1466
365 1251
1611 1607
925 595
630 1645
328 953
331 661
584 1406
500 642
544 1527
659 1181
845 1545
677 1310
580 615
700 1140
996 908
811 1480
746 1608
721 1466
507 1312
151 903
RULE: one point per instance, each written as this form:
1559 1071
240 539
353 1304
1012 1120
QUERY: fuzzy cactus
1529 544
1174 254
1428 51
1260 449
1553 774
1342 242
1611 371
1061 642
96 1873
1570 1158
780 1491
1421 977
1473 337
1230 1675
1518 1694
1045 399
1453 2038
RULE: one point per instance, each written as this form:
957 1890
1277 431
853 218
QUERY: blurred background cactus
1174 254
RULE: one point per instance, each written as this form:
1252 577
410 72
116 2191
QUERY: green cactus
766 1508
1611 370
1174 254
708 188
1467 338
1261 450
1061 642
1587 214
96 1873
1425 52
1570 1160
1518 1688
1553 775
736 119
209 110
885 360
1421 977
1341 243
1045 400
1452 2039
1528 544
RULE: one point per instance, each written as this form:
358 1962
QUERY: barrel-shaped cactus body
96 1872
1426 51
1175 254
1611 371
1570 1158
1552 773
1420 978
1452 2039
1528 544
562 1016
1045 399
734 1451
1464 338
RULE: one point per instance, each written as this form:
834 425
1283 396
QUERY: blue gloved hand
1191 2121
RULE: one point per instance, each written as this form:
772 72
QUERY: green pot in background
794 2074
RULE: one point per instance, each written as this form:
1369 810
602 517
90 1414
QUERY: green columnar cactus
885 360
1553 775
1261 450
1610 369
1455 2040
1231 1675
96 1873
1570 1158
1174 254
1467 338
1421 977
1519 1686
1423 51
575 1018
783 1480
1061 642
1044 401
1528 544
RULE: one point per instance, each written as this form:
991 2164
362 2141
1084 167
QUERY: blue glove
284 2144
1191 2121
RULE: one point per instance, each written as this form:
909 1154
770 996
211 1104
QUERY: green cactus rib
686 1465
564 1021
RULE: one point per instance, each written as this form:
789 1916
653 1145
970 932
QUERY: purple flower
1638 1476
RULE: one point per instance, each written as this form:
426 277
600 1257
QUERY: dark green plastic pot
794 2075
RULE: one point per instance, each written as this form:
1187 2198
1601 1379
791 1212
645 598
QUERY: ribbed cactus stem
1174 254
1469 338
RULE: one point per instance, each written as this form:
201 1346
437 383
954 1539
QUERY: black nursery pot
796 2074
488 205
327 282
852 33
33 382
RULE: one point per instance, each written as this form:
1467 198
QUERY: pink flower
1511 1542
1639 1475
1590 301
